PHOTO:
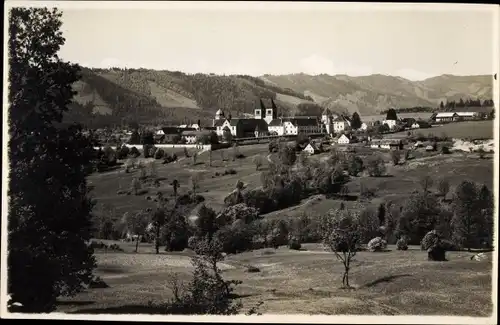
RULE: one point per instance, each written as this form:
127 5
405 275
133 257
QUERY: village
268 124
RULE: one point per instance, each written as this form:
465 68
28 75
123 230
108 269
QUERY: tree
257 160
342 233
135 138
49 208
486 207
207 292
194 181
195 156
356 121
395 156
391 114
467 218
426 183
441 105
420 214
376 166
206 224
137 224
158 221
135 186
354 165
226 135
287 155
443 187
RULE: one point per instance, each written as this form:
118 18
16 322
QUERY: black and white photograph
250 161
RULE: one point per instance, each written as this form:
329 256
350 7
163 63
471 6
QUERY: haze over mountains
147 95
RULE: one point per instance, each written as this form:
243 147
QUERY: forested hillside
149 96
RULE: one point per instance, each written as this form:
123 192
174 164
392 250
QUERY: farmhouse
445 117
390 123
311 149
363 127
387 144
467 115
343 139
276 127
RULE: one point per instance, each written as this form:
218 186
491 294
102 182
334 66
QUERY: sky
282 38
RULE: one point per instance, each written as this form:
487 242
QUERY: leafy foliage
49 208
342 231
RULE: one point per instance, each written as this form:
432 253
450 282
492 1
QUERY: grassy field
302 282
380 117
307 281
459 130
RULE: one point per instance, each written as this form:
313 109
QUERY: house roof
445 114
387 141
313 146
308 121
249 124
196 133
171 130
276 122
465 113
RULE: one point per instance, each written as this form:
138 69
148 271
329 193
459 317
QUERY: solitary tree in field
49 211
137 224
195 156
443 186
426 183
158 222
342 233
195 184
175 187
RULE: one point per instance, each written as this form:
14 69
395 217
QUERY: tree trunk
157 240
347 277
137 244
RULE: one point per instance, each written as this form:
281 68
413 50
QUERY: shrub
146 150
377 244
430 240
402 244
273 146
450 246
123 152
294 243
236 238
252 269
354 165
229 171
445 150
192 242
134 152
159 153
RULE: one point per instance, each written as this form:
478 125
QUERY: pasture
458 130
302 282
306 281
381 117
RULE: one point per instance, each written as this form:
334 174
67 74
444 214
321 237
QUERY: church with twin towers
267 121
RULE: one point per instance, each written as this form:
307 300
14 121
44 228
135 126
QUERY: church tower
219 115
326 119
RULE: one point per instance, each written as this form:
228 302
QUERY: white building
341 123
415 125
343 139
467 115
276 127
446 117
363 127
390 123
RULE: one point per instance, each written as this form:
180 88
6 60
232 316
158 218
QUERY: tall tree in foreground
49 219
342 233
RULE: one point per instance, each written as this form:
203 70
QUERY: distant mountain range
143 95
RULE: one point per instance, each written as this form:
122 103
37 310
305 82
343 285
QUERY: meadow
473 130
305 281
301 282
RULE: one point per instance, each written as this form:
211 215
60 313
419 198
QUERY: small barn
343 139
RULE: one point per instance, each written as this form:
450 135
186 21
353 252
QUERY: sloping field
304 282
